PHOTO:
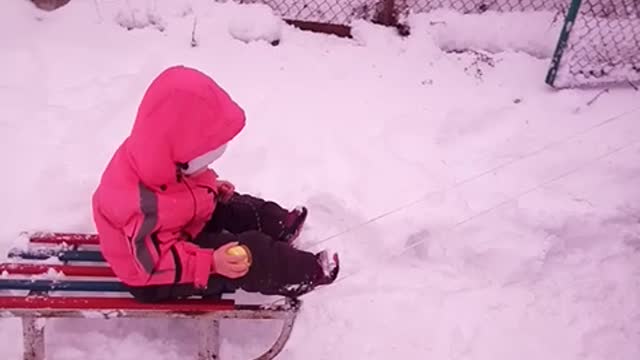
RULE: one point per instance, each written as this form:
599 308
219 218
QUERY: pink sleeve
168 260
196 262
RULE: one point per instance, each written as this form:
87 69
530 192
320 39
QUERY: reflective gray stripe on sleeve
149 207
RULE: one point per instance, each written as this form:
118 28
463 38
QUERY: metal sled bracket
34 310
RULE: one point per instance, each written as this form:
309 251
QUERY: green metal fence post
569 21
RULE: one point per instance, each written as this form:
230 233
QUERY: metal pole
208 339
563 41
33 338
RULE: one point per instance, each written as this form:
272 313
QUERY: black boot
330 267
293 223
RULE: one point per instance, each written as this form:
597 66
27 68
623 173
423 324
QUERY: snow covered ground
511 211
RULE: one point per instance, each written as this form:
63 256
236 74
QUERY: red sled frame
35 307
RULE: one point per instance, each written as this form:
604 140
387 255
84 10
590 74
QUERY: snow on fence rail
391 12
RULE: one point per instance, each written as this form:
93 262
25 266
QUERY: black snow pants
276 268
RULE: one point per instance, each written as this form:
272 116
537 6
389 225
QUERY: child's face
200 164
197 172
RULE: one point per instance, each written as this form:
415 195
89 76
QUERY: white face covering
202 161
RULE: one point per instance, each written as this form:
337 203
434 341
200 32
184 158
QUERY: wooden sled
104 297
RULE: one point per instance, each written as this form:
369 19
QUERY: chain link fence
388 12
334 12
480 6
600 43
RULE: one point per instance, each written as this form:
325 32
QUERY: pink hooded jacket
144 208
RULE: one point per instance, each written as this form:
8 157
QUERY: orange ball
242 251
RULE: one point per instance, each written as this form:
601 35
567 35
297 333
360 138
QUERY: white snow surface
532 32
506 213
253 22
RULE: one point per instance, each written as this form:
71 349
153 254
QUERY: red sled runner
80 268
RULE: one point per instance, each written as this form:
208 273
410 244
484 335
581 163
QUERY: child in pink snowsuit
166 221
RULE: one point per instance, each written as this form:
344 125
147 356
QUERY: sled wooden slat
62 305
60 254
64 238
68 270
37 285
50 292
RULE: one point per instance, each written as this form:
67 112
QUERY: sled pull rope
456 185
488 210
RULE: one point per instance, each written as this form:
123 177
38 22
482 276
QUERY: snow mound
136 18
141 14
366 33
255 22
535 32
